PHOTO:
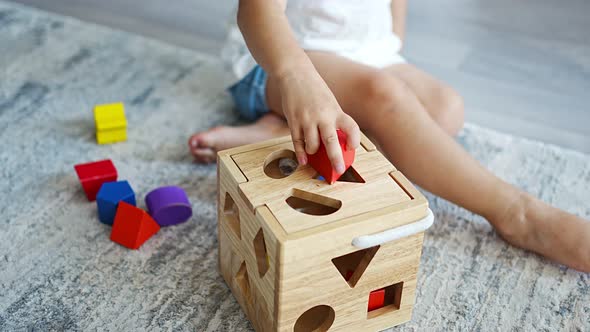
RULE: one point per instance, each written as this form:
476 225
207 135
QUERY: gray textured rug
60 271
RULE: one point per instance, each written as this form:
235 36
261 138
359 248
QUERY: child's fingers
299 145
353 133
330 140
312 140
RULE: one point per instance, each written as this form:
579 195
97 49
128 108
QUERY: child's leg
390 111
204 145
442 102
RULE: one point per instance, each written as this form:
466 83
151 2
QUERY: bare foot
204 145
560 236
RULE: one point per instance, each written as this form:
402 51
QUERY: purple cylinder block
168 205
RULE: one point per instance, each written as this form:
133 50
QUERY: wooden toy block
111 136
92 175
169 205
376 299
132 226
320 162
302 255
111 124
108 198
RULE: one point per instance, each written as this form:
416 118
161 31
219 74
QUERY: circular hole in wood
280 164
316 319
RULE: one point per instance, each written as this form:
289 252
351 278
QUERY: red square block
321 163
376 299
132 226
93 175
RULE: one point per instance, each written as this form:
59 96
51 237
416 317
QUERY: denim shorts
249 94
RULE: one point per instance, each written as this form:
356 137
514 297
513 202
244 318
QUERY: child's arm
399 9
308 104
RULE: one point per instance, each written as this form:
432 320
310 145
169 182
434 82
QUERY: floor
522 66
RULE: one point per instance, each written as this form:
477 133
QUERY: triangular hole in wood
351 175
352 266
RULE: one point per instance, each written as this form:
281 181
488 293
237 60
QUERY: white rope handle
367 241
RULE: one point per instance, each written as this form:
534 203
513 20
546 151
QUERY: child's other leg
204 145
442 102
445 107
388 110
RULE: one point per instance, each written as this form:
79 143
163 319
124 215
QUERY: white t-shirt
360 30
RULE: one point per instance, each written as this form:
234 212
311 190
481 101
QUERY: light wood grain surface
290 270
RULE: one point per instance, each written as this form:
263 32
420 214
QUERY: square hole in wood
385 300
232 214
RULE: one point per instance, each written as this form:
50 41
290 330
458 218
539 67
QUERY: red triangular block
132 226
320 162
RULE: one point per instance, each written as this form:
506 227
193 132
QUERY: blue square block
108 198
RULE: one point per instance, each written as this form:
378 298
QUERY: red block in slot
321 163
376 299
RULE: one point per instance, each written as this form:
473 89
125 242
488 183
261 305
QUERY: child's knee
382 92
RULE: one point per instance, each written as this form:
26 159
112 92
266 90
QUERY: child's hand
312 111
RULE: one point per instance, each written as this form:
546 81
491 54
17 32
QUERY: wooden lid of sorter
303 204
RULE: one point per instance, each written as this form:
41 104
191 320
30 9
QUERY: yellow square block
111 136
110 116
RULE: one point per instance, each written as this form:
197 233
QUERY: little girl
324 65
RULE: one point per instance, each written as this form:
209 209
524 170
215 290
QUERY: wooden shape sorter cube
300 254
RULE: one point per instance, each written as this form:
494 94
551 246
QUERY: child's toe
205 154
193 142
